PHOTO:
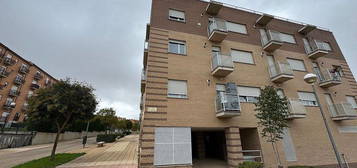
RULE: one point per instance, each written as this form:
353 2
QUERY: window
248 94
242 56
177 47
297 65
172 146
347 129
352 101
176 15
289 148
307 98
238 28
177 89
288 38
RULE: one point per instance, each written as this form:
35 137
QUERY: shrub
301 167
250 165
106 137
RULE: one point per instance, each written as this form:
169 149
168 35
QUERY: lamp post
311 78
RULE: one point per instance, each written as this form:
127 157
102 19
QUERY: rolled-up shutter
307 96
177 14
177 87
248 91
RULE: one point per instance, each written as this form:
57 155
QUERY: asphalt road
14 156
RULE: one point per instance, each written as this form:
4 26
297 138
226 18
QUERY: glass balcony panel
217 24
227 102
219 60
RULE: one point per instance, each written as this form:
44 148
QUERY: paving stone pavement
121 154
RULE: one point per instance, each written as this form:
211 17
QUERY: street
14 156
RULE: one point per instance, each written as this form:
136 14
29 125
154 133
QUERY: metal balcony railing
8 61
342 110
143 75
37 76
217 24
219 60
296 109
14 93
253 155
227 103
271 35
326 76
3 72
280 68
19 81
318 45
24 69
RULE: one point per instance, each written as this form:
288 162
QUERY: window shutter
177 14
352 101
234 27
307 96
177 87
242 56
296 64
248 91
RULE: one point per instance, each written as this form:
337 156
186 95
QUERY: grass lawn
45 162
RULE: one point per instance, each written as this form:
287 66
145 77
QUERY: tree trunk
276 153
55 145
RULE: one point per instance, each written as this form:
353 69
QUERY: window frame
251 53
174 95
178 42
172 18
301 60
308 103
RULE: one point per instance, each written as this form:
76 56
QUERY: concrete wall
43 138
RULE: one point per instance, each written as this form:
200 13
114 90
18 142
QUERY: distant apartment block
203 67
19 80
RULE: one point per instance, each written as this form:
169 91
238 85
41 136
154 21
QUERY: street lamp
311 78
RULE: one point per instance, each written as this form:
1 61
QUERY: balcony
280 72
296 109
9 106
34 86
24 69
264 19
227 105
14 93
4 73
213 7
307 29
329 79
271 41
8 61
143 80
37 76
222 65
342 111
316 50
217 30
19 81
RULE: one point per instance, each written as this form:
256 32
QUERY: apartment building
204 65
19 80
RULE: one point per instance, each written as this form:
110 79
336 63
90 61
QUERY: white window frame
241 28
306 102
175 17
177 95
297 60
236 59
178 43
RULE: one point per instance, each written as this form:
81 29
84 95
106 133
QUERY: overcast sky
101 41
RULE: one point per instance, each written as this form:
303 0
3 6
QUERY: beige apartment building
204 65
19 80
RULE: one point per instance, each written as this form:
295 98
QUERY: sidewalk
121 154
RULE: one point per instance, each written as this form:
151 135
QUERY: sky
101 41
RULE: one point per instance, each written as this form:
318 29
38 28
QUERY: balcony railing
8 61
316 49
296 109
252 156
19 81
271 41
35 85
38 76
222 65
9 105
342 111
4 73
14 93
143 80
217 30
329 79
24 69
227 105
280 72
